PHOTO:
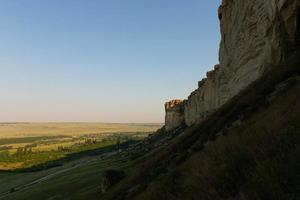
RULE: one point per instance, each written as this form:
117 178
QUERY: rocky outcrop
111 177
256 35
174 114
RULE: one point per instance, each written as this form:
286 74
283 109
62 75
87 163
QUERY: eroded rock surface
256 35
174 114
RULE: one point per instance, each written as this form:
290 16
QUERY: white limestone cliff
256 35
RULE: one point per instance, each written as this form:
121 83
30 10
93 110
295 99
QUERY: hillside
236 137
249 149
239 130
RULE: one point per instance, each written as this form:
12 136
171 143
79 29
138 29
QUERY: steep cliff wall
256 35
174 114
204 100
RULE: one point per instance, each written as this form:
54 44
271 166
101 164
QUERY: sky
102 60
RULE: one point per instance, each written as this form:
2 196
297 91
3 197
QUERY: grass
257 159
20 140
46 159
82 182
78 150
219 158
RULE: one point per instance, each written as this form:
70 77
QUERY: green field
27 145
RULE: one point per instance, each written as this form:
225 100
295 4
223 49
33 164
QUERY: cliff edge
256 36
240 139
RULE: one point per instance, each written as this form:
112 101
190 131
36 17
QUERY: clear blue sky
102 60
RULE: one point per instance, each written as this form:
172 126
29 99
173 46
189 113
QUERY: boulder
110 178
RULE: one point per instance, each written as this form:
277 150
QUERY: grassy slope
70 184
258 159
82 182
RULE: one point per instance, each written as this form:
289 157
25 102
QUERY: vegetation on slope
256 155
78 179
248 149
258 159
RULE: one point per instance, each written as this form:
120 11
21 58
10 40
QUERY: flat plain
27 145
17 130
37 156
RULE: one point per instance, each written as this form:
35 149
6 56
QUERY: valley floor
248 150
79 179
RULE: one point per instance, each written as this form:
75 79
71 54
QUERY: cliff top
173 103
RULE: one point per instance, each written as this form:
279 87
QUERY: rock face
256 35
174 114
204 100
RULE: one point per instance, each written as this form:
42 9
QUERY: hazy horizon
102 61
79 122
